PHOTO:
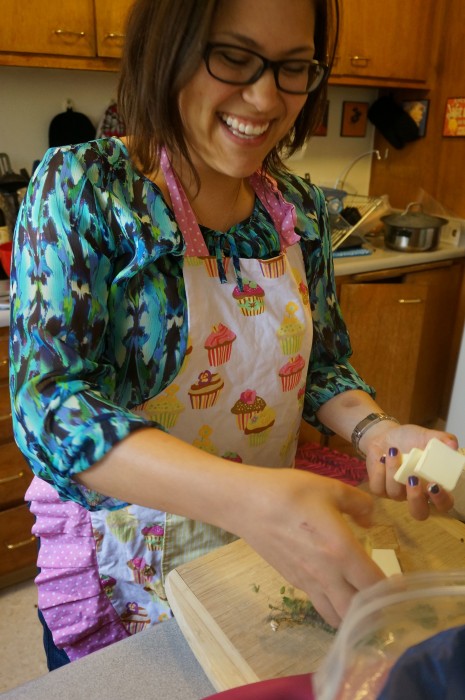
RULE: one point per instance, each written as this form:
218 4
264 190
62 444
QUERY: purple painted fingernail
393 451
413 480
433 488
383 459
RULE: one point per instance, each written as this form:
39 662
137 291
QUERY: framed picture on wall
418 110
354 119
454 118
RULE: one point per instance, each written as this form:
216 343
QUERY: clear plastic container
383 621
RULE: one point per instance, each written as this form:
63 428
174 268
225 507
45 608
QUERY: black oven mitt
395 124
69 128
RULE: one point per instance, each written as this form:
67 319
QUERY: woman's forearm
342 413
156 470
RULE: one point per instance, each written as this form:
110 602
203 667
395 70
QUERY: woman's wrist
367 425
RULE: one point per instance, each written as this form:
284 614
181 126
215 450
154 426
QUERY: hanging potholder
111 124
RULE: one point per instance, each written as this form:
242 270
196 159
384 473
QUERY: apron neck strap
265 187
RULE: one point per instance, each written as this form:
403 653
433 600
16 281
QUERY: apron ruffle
70 593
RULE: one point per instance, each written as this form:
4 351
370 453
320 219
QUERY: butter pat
387 561
437 462
407 468
441 464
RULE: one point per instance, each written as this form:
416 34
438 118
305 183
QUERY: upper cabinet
385 42
85 34
110 20
65 28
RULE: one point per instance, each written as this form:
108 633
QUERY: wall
31 97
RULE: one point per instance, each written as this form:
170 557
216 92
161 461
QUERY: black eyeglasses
237 66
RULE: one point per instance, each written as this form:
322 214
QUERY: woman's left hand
384 449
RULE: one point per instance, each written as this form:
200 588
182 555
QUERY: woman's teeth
243 129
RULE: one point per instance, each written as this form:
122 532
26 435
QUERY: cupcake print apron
238 395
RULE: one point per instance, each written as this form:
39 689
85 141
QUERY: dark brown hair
165 41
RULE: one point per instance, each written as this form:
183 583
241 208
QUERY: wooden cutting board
222 601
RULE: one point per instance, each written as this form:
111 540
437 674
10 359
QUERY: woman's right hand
295 521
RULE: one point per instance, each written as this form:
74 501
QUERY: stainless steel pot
412 230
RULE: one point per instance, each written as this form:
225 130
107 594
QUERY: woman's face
215 114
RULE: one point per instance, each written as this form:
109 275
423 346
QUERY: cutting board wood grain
221 601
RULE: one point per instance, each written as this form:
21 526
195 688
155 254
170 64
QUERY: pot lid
414 217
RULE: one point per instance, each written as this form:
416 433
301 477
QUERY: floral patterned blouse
99 322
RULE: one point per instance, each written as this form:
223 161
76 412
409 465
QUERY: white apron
238 395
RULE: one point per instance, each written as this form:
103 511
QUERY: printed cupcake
135 618
153 536
192 260
211 265
141 571
273 267
291 330
122 524
251 300
108 584
248 405
219 345
164 408
302 287
259 427
291 373
155 590
204 394
98 537
203 441
301 396
232 456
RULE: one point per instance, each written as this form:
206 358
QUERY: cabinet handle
410 301
359 61
6 416
67 32
7 479
23 543
113 35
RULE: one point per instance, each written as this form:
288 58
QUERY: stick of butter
437 462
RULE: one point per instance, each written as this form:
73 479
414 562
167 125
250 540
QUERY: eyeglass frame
266 64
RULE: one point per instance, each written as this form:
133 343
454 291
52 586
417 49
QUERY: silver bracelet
364 425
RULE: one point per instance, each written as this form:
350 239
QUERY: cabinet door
64 28
110 17
385 323
18 546
388 39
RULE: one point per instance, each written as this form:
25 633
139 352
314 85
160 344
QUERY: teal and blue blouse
98 318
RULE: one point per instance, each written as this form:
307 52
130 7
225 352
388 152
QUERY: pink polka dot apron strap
282 212
195 244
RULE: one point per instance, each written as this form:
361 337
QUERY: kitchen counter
157 663
383 258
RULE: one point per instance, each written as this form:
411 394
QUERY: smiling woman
174 317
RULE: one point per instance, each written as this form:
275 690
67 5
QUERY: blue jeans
55 657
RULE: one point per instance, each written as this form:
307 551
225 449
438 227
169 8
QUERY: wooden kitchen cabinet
401 324
110 20
88 34
18 547
65 28
386 43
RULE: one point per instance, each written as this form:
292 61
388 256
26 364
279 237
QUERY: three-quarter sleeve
72 266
